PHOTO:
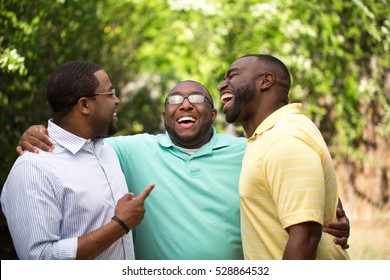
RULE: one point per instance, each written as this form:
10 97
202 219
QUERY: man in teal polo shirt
193 215
194 212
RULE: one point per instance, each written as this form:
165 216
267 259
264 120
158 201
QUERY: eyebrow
192 92
230 71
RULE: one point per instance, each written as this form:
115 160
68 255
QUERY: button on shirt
51 199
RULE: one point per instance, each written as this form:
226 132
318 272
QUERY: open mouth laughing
186 121
226 97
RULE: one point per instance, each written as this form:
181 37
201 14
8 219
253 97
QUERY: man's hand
34 137
131 209
339 229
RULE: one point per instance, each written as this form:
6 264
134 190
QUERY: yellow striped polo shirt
287 178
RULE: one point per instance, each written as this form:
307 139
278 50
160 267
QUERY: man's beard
191 141
112 129
242 96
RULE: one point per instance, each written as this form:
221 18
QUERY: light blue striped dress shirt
50 199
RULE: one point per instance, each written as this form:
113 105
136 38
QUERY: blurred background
338 53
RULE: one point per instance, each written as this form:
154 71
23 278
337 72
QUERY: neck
74 126
251 125
194 143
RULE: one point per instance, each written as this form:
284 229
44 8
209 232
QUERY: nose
186 104
116 100
221 86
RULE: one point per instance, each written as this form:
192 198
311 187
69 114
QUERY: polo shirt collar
271 120
70 141
214 143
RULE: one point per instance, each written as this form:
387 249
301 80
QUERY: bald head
195 86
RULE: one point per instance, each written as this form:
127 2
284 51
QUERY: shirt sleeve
122 146
31 202
295 177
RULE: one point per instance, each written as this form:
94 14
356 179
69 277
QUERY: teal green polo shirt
193 212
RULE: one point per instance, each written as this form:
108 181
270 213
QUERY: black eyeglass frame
188 98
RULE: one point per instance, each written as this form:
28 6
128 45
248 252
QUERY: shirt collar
214 143
69 141
271 120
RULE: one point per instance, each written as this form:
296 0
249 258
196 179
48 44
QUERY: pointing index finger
145 193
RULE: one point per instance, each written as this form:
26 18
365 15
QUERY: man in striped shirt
73 203
288 188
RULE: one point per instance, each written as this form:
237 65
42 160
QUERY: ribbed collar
214 143
271 120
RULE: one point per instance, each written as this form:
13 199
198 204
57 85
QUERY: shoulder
131 144
30 168
119 142
41 159
231 139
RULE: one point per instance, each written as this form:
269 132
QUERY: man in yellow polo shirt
288 189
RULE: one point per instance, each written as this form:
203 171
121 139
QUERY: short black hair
69 82
276 63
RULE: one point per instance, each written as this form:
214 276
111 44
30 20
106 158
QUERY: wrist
121 223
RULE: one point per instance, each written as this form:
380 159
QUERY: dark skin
91 118
191 135
129 209
251 91
197 130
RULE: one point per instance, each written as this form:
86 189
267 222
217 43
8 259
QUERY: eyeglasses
109 93
194 98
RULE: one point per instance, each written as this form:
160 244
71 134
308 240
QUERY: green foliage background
338 53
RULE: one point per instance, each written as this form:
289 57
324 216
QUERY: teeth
226 97
186 119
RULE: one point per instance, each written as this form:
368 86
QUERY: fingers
33 138
128 196
40 128
340 212
19 150
130 209
41 141
339 233
140 199
341 241
337 229
340 226
27 146
145 193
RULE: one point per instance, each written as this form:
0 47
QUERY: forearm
303 241
94 243
305 250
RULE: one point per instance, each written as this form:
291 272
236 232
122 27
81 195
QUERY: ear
213 114
84 106
266 81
